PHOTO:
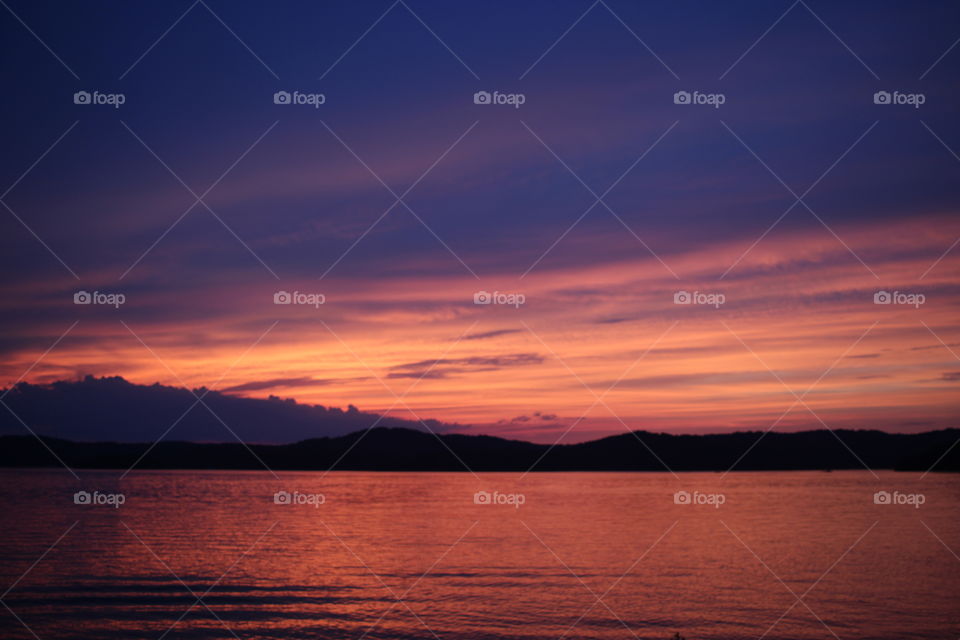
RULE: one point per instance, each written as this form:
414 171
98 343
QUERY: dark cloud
546 417
934 346
508 360
425 374
114 409
444 367
492 334
274 383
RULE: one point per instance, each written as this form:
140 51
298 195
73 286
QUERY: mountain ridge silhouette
399 449
110 423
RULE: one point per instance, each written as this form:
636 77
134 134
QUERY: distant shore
400 449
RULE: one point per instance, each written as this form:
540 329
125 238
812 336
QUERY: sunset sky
597 199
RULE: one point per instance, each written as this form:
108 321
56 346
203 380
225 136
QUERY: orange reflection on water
589 555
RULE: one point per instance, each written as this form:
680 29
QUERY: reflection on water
423 555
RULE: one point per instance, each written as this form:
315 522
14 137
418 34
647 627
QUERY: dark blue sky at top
399 99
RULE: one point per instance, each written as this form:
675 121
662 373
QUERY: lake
187 554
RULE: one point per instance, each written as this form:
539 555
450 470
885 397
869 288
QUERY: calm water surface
413 555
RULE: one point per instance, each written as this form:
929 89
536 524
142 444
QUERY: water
412 555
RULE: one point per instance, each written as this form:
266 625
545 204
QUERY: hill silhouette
110 423
395 449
